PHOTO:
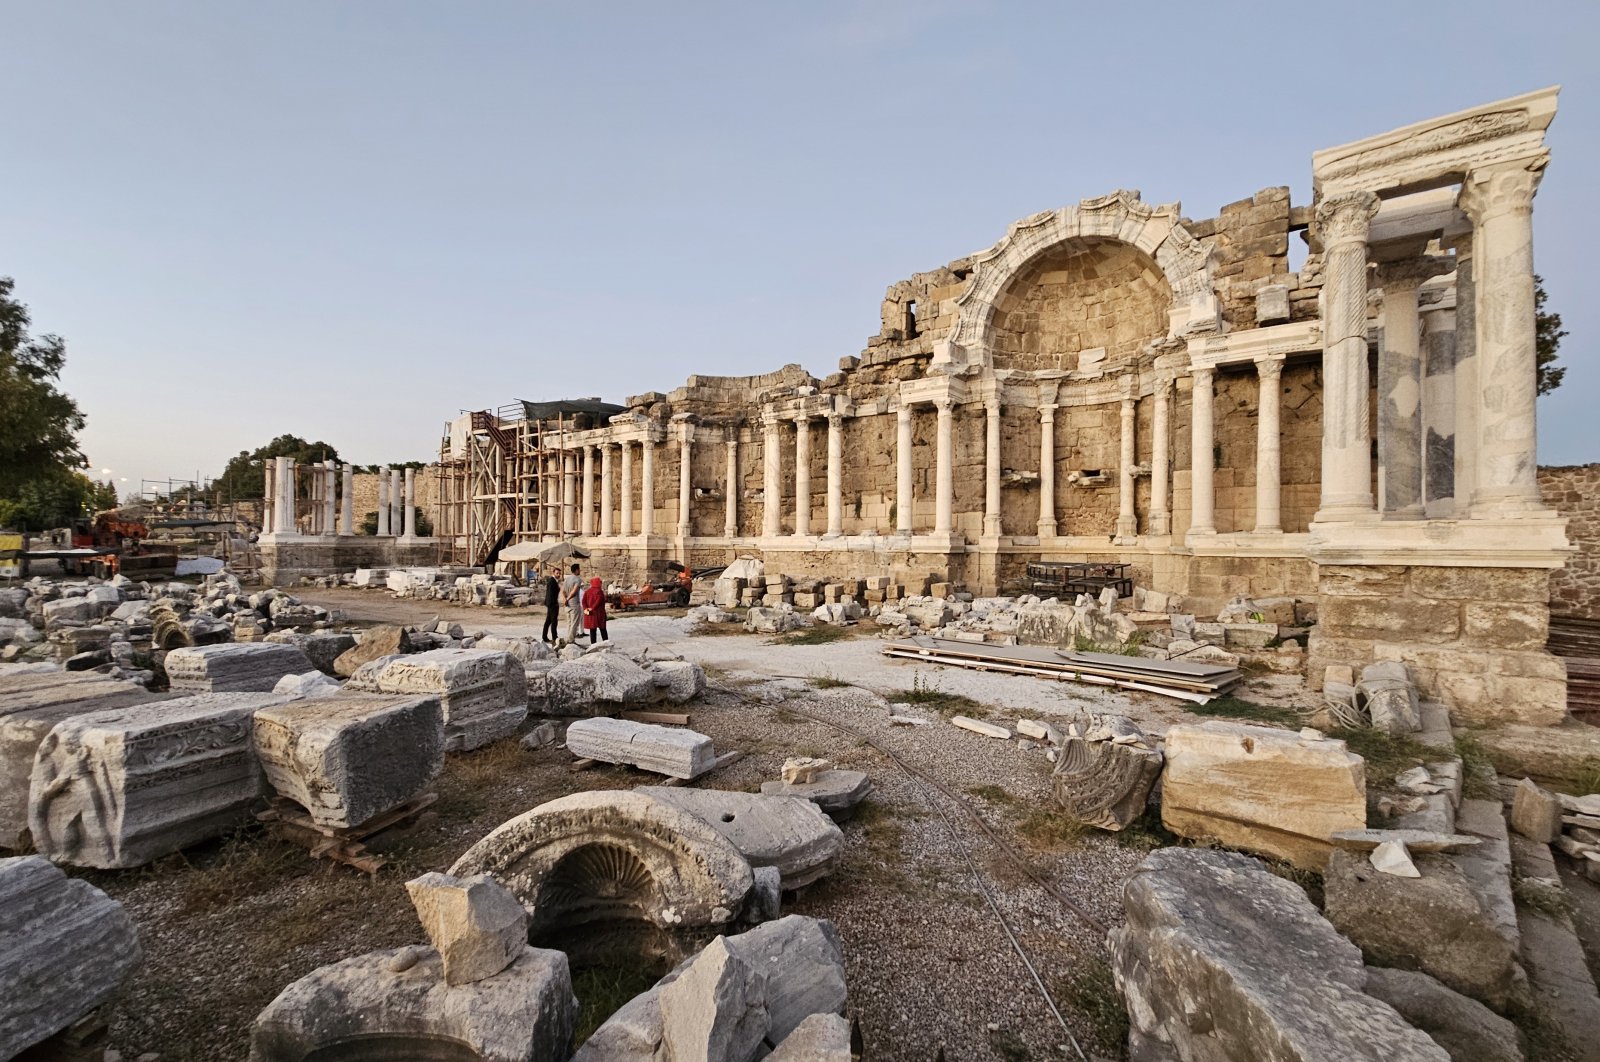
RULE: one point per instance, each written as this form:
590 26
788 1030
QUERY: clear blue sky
349 221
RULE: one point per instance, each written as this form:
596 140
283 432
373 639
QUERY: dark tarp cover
570 407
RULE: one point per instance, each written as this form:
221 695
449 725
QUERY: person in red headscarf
594 611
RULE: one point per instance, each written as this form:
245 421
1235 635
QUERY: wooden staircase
1577 642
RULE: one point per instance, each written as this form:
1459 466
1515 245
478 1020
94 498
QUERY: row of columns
334 497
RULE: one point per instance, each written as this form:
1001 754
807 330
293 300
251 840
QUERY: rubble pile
457 585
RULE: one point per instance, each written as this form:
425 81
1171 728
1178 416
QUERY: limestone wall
1574 491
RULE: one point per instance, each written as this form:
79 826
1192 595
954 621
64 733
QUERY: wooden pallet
342 844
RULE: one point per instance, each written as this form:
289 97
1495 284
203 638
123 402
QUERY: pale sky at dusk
350 221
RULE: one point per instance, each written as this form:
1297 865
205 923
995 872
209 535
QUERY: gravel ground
226 926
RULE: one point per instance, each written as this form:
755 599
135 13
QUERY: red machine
673 591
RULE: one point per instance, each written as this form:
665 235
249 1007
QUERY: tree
245 477
38 423
59 498
1548 333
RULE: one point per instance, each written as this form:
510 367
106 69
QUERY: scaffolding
509 475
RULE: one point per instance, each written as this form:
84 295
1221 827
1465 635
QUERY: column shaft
626 501
586 515
1400 397
1047 471
347 503
802 475
385 512
991 471
835 474
902 471
1127 521
944 470
1202 499
647 487
1161 461
771 484
1346 429
269 495
1269 446
730 499
605 490
685 485
411 503
1438 413
1466 457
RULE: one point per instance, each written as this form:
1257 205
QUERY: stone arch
615 873
1121 216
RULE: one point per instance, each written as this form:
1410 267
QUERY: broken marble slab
788 833
232 667
1415 840
124 787
820 1038
837 792
803 768
349 758
977 726
476 924
1535 813
68 947
482 692
598 683
672 751
1391 857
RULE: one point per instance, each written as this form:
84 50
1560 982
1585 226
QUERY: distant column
647 487
835 475
944 469
772 470
1202 504
1400 391
991 470
1439 412
605 490
330 499
1161 460
1467 396
902 470
569 492
347 504
586 515
626 501
802 475
685 482
411 503
269 495
730 500
286 489
1269 446
1047 471
1127 520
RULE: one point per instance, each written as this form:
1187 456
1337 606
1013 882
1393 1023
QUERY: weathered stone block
483 693
836 792
597 684
788 833
350 758
124 787
376 642
1410 619
1467 1029
255 667
1506 624
476 924
68 946
1264 790
1336 580
1527 585
674 752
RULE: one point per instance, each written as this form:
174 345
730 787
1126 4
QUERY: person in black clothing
552 605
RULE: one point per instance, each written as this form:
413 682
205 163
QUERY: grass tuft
1050 831
1145 833
821 634
1386 754
1090 990
1230 707
828 682
994 794
1477 769
926 692
247 864
602 990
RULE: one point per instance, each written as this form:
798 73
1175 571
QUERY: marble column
269 495
569 492
285 522
1499 200
1127 521
1346 430
330 498
586 514
384 508
411 503
902 470
835 475
771 471
647 487
1161 460
991 469
1467 397
1438 412
685 483
1400 391
605 489
625 502
1202 462
802 475
944 469
1269 446
730 497
347 503
397 500
1047 471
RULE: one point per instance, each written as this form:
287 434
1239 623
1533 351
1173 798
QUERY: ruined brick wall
1249 241
1237 405
1096 294
1574 491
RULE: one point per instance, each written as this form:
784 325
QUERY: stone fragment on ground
595 684
1391 857
1263 790
349 758
978 726
253 667
67 948
1465 1028
1221 959
820 1038
837 792
716 1009
310 686
788 833
477 926
124 787
1390 697
380 641
679 681
1414 840
482 693
1535 812
672 751
800 769
1103 777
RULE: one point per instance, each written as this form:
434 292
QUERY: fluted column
647 487
902 470
1499 199
1047 471
347 503
1438 412
1269 446
605 489
411 503
730 499
626 500
802 475
771 471
586 510
1127 521
991 469
286 521
269 495
397 500
944 469
330 498
685 484
1202 496
1400 391
1161 460
835 474
1346 431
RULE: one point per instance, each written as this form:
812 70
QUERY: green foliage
1386 754
820 634
1130 647
245 476
57 498
1229 707
1547 340
39 424
927 693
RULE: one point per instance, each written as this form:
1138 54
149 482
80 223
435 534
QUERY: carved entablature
1121 216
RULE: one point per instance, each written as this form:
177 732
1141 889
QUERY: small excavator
670 590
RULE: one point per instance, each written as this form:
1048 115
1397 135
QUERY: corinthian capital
1496 190
1341 218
